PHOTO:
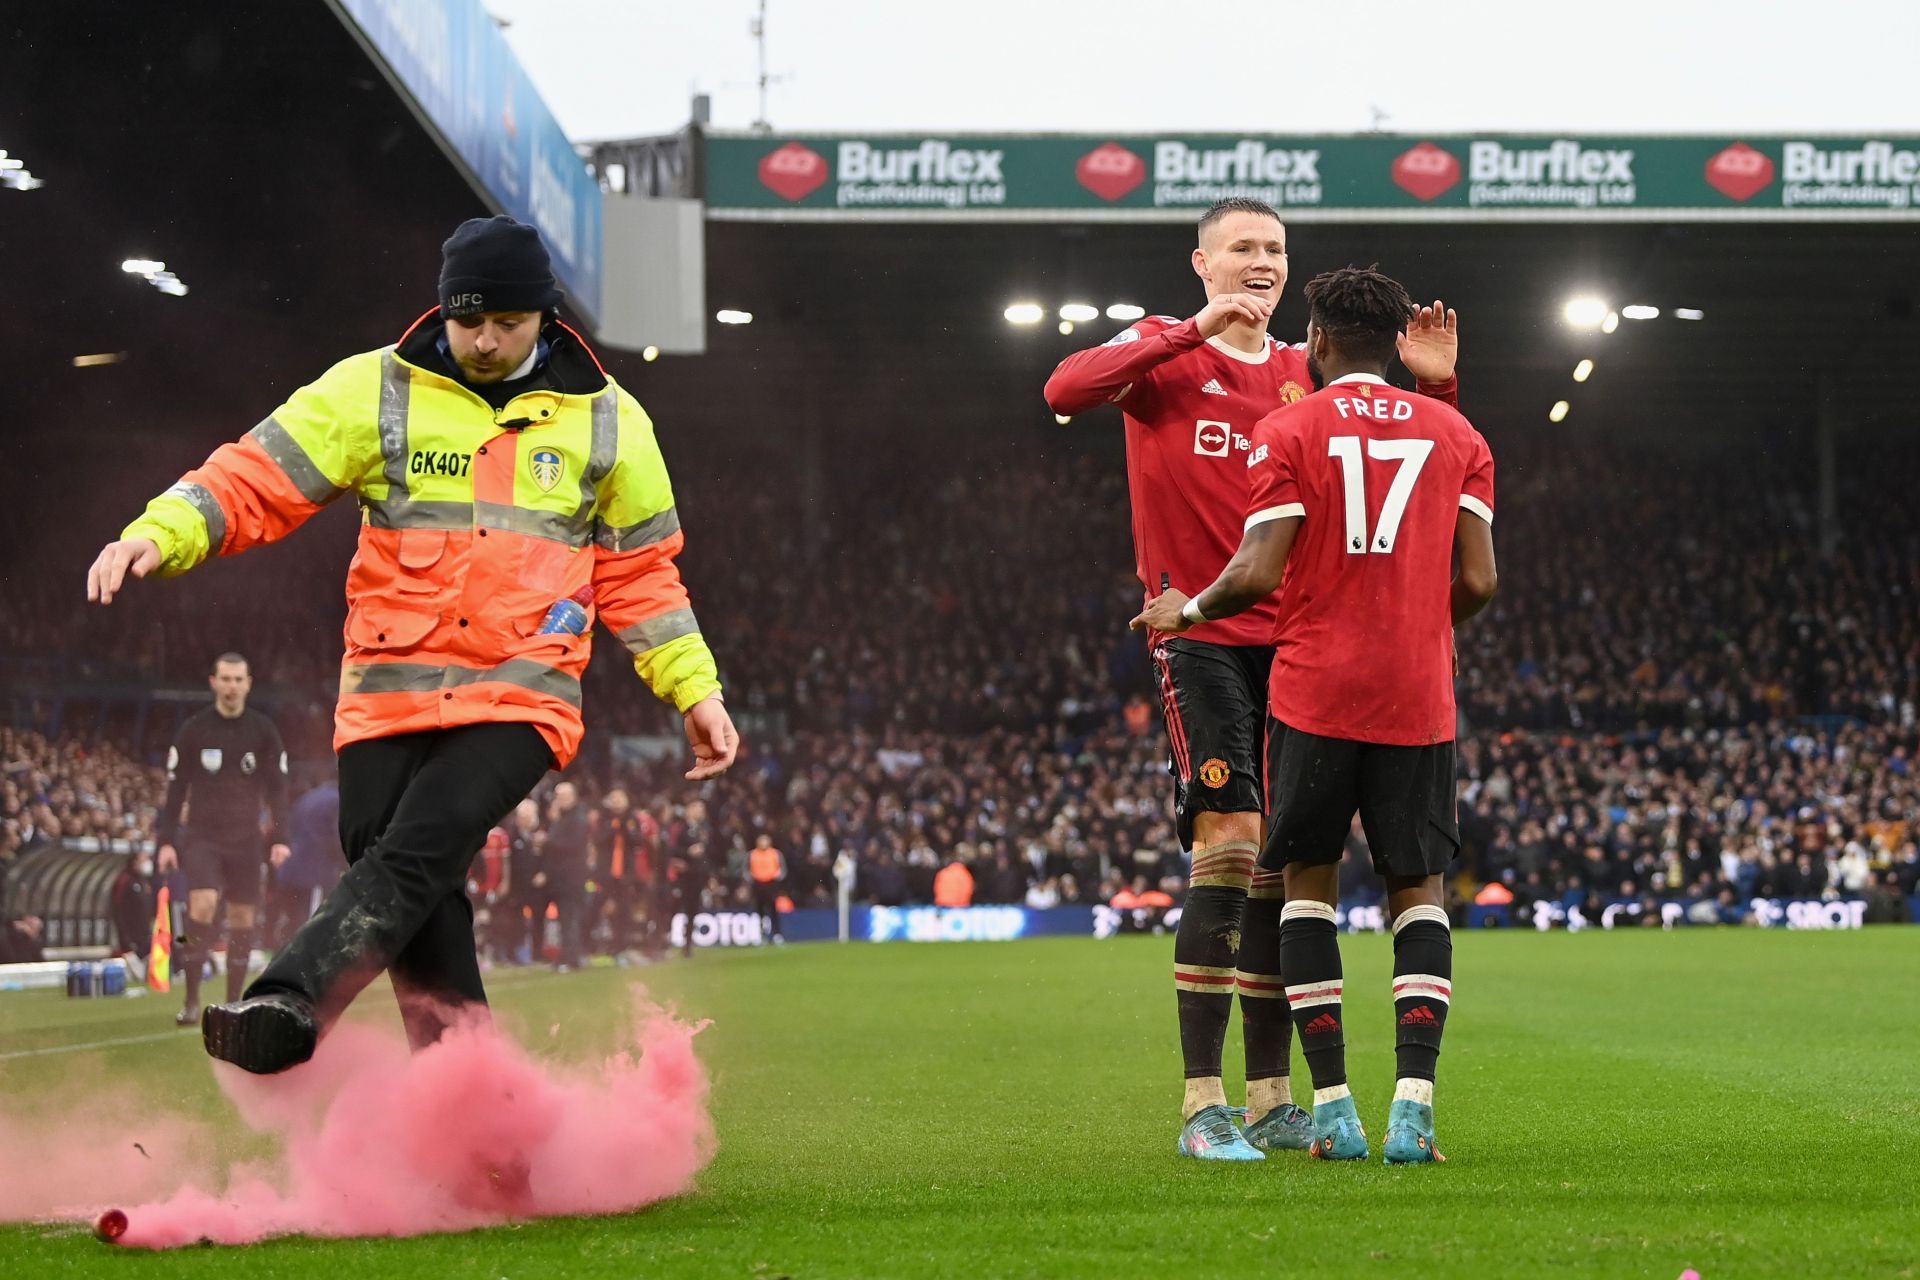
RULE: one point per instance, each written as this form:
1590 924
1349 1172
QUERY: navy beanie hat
495 264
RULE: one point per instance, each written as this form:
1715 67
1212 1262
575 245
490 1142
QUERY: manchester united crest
1215 773
1292 392
546 467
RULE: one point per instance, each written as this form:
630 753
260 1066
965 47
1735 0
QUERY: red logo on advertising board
1426 171
793 172
1110 171
1740 172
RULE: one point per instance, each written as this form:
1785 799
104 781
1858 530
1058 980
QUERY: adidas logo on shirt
1212 387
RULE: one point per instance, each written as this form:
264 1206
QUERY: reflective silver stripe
420 677
601 453
209 508
410 513
655 528
420 513
554 525
292 459
654 632
396 385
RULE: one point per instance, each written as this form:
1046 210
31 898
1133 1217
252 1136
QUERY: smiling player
1191 391
1365 499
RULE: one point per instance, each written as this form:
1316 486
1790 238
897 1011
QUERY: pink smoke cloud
378 1142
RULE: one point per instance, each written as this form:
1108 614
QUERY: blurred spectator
624 842
295 888
953 886
562 879
20 941
517 920
133 905
768 867
1735 716
490 891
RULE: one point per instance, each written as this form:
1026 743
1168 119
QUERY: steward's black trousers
414 810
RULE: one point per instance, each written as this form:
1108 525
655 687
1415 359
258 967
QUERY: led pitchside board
455 69
1364 178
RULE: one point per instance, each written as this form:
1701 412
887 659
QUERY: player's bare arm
1430 347
1251 576
1477 579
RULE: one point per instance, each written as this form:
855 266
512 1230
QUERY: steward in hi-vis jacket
510 491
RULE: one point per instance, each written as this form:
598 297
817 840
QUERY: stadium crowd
1670 697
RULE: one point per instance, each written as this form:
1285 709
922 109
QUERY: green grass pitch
1623 1104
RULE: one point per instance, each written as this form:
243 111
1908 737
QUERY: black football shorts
233 866
1404 796
1214 697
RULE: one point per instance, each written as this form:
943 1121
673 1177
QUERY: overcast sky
613 68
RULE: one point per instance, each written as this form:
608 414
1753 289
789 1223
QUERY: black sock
1310 957
1204 952
1266 1022
191 961
1422 989
239 953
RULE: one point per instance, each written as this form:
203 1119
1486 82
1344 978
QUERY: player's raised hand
1431 345
715 742
115 561
1229 309
1163 614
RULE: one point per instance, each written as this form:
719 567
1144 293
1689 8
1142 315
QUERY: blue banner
456 66
1768 913
938 924
1008 923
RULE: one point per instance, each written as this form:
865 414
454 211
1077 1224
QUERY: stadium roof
882 309
257 152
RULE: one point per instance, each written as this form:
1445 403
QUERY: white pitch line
519 980
176 1034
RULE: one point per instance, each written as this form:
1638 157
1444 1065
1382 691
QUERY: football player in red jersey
1191 391
1362 496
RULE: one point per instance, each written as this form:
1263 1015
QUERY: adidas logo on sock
1321 1025
1419 1016
1212 387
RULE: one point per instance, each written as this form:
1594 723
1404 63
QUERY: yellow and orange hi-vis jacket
474 522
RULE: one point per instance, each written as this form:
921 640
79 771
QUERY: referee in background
228 762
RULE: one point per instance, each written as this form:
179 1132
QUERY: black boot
264 1034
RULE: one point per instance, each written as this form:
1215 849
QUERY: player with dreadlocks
1361 497
1190 391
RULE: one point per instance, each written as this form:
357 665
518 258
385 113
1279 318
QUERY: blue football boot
1410 1134
1285 1128
1211 1134
1337 1134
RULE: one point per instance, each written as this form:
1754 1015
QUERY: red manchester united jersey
1190 405
1363 647
1190 417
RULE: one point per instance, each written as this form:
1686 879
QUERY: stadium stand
936 666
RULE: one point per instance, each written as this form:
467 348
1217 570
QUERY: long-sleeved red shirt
1190 405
